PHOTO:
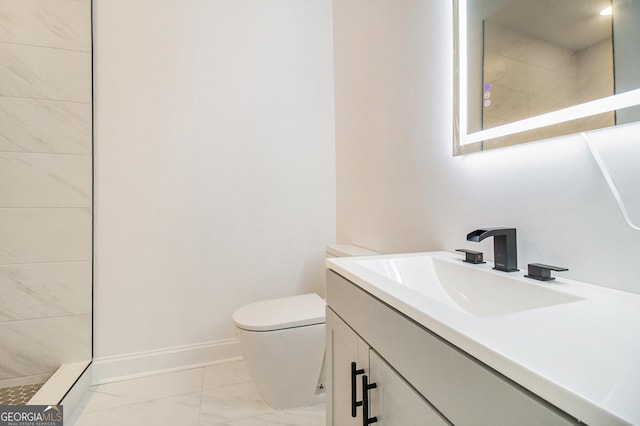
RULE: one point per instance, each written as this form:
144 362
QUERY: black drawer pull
354 404
365 401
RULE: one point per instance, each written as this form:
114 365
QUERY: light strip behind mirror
610 103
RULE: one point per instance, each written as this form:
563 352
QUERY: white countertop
583 357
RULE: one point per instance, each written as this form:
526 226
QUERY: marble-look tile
597 85
228 403
40 290
45 180
552 57
224 374
40 346
551 85
507 104
506 42
541 105
44 235
31 125
176 410
506 72
596 58
116 394
305 416
61 24
44 73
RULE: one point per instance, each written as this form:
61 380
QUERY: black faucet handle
471 256
542 272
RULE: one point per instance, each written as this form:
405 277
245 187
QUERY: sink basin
472 289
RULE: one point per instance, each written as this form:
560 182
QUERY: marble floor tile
176 410
305 416
233 402
228 373
217 395
127 392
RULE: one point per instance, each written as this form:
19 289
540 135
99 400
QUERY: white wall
215 176
399 189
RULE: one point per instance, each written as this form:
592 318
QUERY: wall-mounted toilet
282 341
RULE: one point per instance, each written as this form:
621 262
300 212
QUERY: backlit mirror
529 70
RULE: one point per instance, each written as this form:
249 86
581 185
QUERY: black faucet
505 252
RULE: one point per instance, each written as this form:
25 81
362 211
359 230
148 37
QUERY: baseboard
140 364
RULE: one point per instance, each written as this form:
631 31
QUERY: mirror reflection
538 58
526 58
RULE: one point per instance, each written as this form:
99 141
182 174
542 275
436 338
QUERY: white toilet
282 341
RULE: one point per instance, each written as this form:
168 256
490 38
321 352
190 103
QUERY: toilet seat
282 313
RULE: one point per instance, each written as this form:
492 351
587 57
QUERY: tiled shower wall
45 186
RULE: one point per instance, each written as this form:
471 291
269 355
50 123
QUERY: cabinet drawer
464 390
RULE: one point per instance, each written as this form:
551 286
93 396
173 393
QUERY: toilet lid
278 314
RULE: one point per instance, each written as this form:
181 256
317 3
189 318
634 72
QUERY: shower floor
18 395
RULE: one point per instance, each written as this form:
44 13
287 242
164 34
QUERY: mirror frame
464 142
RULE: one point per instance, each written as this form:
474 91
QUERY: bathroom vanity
399 354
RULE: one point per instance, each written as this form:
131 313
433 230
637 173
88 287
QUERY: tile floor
18 395
220 394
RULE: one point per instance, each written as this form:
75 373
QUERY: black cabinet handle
365 401
354 404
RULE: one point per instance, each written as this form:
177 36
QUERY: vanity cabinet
346 352
420 378
352 364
